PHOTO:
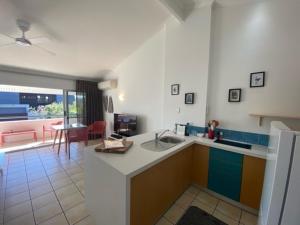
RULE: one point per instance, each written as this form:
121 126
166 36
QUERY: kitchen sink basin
162 144
233 143
171 139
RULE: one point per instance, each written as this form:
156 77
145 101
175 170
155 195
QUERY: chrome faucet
157 135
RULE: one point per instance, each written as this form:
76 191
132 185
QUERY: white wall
255 37
179 53
140 82
187 60
210 53
23 79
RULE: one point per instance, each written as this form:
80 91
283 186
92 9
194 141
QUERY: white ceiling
88 36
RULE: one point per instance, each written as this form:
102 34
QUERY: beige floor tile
71 201
15 183
203 206
14 176
58 176
17 210
80 184
229 210
82 192
34 167
26 219
41 190
61 183
86 221
66 191
163 221
47 212
248 219
74 171
36 176
57 220
184 201
43 200
225 218
207 199
54 170
174 214
16 190
38 183
76 213
77 177
17 199
193 190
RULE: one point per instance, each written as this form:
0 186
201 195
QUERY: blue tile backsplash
252 138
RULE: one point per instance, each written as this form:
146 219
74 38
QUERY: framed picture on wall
257 79
189 98
175 89
234 95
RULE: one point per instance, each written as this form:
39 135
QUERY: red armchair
50 129
97 128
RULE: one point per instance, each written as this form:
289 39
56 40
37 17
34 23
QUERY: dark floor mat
196 216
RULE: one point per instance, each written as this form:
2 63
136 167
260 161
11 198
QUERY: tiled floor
26 144
223 211
40 187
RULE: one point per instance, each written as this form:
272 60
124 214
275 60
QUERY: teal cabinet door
225 173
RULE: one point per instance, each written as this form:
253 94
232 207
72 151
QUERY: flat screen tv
125 124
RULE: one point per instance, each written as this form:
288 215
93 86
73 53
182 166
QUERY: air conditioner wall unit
109 84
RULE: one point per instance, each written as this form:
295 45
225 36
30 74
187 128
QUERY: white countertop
138 159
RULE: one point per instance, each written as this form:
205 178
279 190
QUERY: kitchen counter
138 159
108 176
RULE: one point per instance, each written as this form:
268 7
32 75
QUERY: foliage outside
53 110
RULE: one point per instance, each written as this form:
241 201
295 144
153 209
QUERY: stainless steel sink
162 144
171 139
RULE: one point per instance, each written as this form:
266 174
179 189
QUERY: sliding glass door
74 107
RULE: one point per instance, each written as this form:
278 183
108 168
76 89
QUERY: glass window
27 103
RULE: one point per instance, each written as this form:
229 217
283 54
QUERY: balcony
26 141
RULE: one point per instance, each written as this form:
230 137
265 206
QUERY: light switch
178 110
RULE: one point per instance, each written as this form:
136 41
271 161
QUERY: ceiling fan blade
6 35
44 49
7 45
38 40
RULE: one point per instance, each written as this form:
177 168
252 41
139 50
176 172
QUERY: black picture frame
257 79
175 89
189 98
238 93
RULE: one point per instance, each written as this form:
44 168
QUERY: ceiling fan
23 41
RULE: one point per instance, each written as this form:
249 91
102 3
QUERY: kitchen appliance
280 201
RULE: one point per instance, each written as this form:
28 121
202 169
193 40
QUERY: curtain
89 102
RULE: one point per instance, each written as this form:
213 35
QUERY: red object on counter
211 134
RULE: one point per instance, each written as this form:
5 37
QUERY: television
125 124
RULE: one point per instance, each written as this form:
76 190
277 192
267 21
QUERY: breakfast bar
119 185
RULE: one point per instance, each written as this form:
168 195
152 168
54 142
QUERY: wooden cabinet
200 165
155 190
225 173
230 174
252 181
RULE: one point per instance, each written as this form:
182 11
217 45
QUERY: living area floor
40 187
